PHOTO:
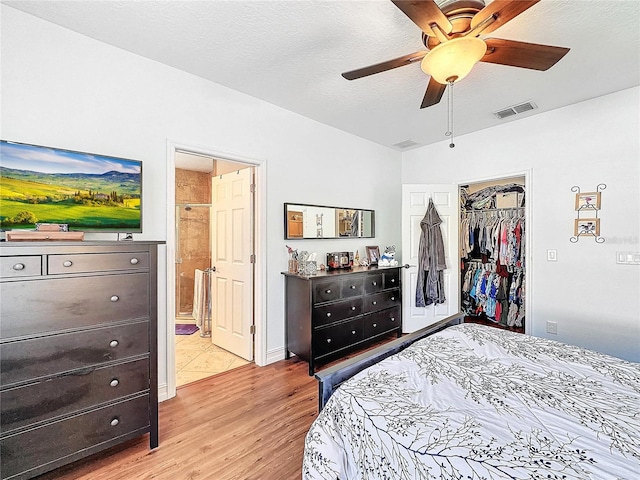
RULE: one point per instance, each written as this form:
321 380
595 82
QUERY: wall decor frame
588 201
373 254
587 226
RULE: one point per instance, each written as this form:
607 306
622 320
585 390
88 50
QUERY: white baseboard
163 392
275 355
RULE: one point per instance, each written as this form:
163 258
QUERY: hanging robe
431 260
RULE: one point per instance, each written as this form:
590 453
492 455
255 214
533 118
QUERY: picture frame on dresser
373 254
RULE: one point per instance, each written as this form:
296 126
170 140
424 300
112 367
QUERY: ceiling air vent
514 110
405 144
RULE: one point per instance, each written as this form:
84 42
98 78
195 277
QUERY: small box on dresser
333 312
78 351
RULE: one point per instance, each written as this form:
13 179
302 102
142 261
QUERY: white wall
595 302
62 89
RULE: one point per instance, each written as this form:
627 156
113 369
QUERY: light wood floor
249 423
245 424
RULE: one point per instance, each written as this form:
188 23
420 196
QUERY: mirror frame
288 236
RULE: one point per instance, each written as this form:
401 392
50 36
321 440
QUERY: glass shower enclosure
193 252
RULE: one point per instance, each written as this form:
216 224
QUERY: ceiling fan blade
424 13
503 11
521 54
384 66
433 95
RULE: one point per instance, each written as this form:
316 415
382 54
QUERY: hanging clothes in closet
431 260
492 249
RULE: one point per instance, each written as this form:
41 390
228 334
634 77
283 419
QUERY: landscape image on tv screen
88 192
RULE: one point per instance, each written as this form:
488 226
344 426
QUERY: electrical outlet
552 328
552 255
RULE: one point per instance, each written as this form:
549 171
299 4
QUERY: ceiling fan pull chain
449 132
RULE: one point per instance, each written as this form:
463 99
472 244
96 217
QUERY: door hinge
252 330
252 259
252 188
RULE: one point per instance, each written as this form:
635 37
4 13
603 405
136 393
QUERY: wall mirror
316 221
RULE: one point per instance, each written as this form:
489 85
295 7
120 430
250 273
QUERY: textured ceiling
291 53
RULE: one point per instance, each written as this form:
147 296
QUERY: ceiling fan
451 34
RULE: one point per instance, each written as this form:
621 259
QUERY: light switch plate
628 258
552 255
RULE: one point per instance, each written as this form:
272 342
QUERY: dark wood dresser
78 351
330 313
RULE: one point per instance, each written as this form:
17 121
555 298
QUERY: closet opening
493 252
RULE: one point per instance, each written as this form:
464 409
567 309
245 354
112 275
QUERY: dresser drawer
392 279
20 266
373 283
351 286
380 301
35 448
381 322
333 338
325 314
326 291
56 354
97 262
40 306
71 392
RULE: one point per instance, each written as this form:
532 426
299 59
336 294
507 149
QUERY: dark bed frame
331 378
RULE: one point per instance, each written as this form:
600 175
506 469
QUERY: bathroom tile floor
198 358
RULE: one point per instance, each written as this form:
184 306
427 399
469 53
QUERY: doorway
494 244
198 354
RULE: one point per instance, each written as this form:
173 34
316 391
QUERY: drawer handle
353 287
328 340
375 325
328 290
114 343
353 308
18 266
114 383
353 332
67 263
328 314
374 283
115 422
115 298
393 280
393 298
134 261
374 303
393 319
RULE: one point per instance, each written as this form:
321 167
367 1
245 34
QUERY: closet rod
494 210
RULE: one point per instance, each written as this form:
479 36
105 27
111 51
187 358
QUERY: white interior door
415 200
231 254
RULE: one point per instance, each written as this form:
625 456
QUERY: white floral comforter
475 402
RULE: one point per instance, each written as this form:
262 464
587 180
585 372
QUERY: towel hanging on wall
199 297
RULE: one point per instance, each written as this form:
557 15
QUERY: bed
475 402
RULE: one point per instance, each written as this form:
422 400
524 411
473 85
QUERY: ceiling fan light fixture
453 60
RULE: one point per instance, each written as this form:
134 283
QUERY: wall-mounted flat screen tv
88 192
